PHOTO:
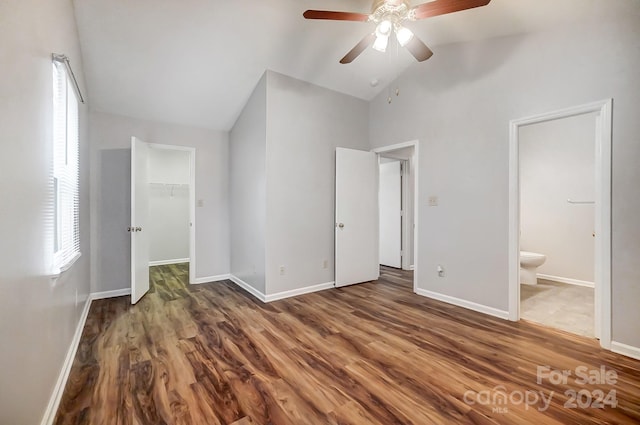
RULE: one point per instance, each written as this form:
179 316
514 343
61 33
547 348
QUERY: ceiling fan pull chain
397 72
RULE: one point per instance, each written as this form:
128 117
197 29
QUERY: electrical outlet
433 201
440 270
325 264
281 270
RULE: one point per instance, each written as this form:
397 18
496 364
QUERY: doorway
357 210
398 210
162 210
577 197
557 239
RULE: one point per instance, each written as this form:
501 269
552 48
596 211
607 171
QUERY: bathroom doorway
560 231
557 222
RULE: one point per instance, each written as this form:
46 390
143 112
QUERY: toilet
529 263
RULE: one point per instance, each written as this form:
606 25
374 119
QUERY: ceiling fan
388 15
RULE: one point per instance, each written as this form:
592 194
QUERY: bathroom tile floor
559 305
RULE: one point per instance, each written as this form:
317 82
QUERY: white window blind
66 243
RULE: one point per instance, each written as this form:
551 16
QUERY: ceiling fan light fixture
403 35
384 28
381 43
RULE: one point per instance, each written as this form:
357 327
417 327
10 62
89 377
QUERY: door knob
129 229
341 225
138 229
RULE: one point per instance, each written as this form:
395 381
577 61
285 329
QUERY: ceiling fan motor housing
394 11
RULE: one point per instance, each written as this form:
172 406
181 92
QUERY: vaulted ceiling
195 62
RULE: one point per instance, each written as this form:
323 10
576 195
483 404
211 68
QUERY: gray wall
459 103
38 317
247 179
115 200
305 123
557 162
110 132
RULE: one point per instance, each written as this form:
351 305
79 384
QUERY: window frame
65 181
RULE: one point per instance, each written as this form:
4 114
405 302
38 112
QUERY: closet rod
580 202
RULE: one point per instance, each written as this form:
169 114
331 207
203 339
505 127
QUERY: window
66 223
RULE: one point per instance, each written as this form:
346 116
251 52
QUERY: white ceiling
195 62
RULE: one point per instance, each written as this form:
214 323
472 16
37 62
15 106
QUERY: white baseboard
626 350
566 280
464 303
167 262
250 289
280 295
412 267
58 390
111 294
299 291
207 279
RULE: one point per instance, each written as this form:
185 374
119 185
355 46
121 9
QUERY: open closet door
356 238
139 215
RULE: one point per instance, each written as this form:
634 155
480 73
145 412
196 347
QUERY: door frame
192 202
602 277
416 206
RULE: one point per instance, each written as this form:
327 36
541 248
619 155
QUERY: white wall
169 166
168 225
111 133
247 179
38 317
459 103
390 201
557 162
305 123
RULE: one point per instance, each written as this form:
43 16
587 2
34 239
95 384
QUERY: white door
356 217
390 214
139 214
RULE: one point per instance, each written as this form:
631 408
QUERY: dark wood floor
373 353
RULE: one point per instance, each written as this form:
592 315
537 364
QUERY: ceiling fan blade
359 48
418 49
442 7
335 16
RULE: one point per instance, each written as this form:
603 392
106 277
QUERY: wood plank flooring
373 353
